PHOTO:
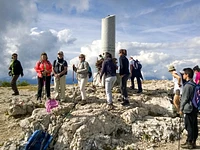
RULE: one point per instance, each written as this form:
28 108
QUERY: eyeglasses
60 54
80 57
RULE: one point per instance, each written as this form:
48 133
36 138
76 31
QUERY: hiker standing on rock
135 70
82 76
60 72
124 74
109 69
178 86
43 68
15 70
189 110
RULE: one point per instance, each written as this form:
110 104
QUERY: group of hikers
184 85
184 90
58 69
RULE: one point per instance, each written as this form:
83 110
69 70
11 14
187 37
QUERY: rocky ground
147 124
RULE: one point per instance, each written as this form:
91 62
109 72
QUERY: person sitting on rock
178 86
109 69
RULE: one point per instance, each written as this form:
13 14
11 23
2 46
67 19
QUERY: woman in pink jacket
43 68
196 70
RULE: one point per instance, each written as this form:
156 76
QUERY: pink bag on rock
50 104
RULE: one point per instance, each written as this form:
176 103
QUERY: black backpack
137 65
56 64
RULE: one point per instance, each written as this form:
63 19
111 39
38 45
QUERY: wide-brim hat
171 68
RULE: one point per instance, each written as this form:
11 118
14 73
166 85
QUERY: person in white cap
178 86
60 71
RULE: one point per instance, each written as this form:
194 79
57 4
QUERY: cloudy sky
156 32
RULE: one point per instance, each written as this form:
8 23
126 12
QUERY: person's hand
74 68
181 113
122 76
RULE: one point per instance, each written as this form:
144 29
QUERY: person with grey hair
82 76
15 71
60 72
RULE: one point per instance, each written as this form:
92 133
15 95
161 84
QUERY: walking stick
179 133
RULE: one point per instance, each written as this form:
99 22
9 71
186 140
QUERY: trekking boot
39 99
187 145
14 94
125 103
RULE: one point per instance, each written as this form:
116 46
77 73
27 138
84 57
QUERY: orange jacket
43 66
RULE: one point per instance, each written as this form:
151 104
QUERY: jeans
59 83
82 83
109 82
47 80
123 86
191 125
13 83
139 83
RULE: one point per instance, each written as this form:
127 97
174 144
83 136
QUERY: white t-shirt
176 86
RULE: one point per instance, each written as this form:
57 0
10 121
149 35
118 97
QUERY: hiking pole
179 133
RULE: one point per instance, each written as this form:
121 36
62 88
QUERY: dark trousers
191 125
139 83
47 80
14 83
123 85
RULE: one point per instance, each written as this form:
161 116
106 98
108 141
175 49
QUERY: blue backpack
196 97
39 140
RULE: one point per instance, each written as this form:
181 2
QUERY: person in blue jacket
124 74
109 69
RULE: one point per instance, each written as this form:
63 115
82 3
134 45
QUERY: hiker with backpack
82 76
124 74
15 71
60 71
109 69
189 110
135 69
178 86
43 68
196 70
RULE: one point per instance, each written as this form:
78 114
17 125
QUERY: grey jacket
82 70
186 99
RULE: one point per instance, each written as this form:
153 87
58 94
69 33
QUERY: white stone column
108 35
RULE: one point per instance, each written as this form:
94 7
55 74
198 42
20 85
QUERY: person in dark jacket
15 71
109 69
124 74
135 73
189 110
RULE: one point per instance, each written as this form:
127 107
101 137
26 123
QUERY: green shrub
5 84
23 83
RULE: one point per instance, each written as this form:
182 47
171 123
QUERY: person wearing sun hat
60 72
178 86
